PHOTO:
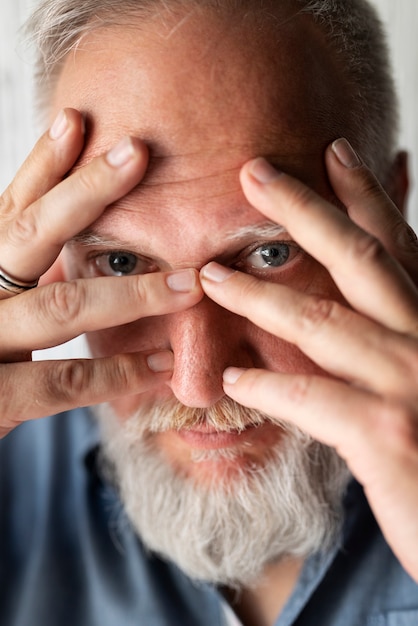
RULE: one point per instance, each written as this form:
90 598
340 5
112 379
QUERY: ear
397 182
55 273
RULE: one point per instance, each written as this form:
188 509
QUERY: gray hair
352 28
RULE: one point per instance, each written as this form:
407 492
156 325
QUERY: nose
205 339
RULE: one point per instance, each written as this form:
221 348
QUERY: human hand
367 408
41 210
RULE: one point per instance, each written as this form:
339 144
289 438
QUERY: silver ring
13 285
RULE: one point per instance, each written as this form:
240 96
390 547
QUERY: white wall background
17 132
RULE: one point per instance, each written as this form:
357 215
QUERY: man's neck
261 605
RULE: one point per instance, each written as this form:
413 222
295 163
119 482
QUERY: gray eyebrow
266 230
89 238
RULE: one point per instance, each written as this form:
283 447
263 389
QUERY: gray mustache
225 416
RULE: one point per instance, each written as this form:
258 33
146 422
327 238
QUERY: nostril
196 386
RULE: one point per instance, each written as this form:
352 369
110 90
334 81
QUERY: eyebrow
265 230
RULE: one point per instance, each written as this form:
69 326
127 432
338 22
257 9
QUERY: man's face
206 95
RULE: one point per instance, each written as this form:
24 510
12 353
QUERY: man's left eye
118 263
271 255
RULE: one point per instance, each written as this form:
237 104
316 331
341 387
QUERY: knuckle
10 410
252 290
405 361
78 382
369 184
402 233
299 389
365 248
124 371
23 229
67 381
404 244
398 424
316 312
64 301
140 292
87 181
7 201
300 196
406 356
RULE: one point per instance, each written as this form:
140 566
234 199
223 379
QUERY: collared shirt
69 557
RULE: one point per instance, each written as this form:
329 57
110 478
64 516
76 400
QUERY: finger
35 238
329 410
56 386
369 206
56 313
376 438
340 341
52 157
369 278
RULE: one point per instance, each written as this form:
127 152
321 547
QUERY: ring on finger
13 285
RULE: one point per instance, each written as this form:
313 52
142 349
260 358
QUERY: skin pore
205 94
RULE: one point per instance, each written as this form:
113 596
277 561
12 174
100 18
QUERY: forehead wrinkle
153 177
260 141
207 187
290 161
157 181
138 202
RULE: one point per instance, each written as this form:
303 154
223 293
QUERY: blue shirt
69 557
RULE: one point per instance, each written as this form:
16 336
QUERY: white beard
228 531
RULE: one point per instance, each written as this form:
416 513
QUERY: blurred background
17 121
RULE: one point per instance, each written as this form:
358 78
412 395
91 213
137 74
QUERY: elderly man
203 207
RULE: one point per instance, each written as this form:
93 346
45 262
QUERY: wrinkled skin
307 342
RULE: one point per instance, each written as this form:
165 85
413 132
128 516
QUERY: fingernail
232 374
263 171
184 281
161 361
216 273
121 153
345 153
59 126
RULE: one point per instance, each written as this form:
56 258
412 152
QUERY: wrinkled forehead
201 84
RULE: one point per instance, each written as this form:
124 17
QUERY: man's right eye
119 263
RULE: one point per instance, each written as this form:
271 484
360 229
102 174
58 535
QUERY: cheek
277 355
141 336
125 406
311 277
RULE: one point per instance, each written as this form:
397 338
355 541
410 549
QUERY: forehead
218 78
207 93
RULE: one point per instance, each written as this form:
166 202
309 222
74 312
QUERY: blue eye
117 263
268 255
